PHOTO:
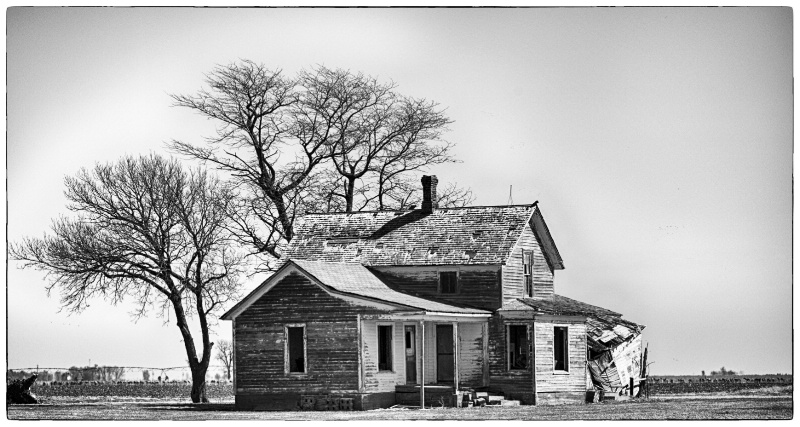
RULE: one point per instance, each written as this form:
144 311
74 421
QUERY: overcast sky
658 142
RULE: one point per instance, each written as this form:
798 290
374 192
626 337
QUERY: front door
411 354
444 353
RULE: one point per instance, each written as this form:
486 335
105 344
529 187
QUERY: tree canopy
324 140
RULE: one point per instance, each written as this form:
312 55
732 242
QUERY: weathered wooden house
369 305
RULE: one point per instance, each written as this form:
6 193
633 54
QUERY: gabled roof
353 281
604 328
452 236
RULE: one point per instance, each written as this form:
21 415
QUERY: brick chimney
429 201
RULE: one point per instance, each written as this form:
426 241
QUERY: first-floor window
517 347
384 347
296 348
561 348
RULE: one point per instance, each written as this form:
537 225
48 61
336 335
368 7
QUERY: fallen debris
18 391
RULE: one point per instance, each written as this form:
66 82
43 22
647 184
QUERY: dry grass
742 407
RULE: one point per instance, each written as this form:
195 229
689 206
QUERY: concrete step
481 394
509 403
496 398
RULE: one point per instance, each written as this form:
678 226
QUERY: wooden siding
513 384
375 380
547 378
332 337
513 280
478 287
470 354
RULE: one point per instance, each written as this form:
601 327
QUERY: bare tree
225 355
148 230
267 140
327 140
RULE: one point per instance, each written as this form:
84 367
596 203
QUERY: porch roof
604 328
357 280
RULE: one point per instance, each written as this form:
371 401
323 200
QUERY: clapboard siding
382 381
513 280
478 287
548 380
470 354
332 336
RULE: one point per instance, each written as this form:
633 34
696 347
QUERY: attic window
433 250
477 233
448 282
470 254
527 272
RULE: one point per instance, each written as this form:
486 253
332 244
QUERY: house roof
604 328
452 236
351 280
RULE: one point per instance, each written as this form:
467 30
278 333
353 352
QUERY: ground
660 408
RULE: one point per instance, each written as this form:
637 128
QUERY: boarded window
296 348
384 348
561 348
527 272
518 347
448 282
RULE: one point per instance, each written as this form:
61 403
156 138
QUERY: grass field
91 401
686 408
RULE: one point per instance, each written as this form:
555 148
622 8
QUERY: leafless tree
146 229
225 355
327 140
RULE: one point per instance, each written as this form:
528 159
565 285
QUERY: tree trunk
199 383
349 190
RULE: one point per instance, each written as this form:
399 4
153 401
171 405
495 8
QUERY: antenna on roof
510 199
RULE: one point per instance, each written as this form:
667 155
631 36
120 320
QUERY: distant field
693 384
89 392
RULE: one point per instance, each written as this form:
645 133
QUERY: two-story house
370 305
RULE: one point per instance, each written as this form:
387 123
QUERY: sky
658 142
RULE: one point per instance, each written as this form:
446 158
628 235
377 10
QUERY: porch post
455 355
422 374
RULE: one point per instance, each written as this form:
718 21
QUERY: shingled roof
604 328
354 280
452 236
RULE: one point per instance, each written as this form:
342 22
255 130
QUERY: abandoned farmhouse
369 305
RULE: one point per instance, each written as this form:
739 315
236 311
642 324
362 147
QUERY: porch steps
496 400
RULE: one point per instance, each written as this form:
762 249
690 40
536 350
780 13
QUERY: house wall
514 384
478 286
512 272
554 387
550 387
332 350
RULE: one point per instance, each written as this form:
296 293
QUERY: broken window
296 349
448 282
527 272
384 347
518 347
561 348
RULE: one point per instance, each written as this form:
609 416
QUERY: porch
445 353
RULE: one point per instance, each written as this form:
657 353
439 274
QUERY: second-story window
448 282
527 272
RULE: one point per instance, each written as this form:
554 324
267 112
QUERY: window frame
565 343
508 346
457 289
527 273
286 359
390 346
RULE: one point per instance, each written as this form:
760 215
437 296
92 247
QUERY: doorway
411 353
444 354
